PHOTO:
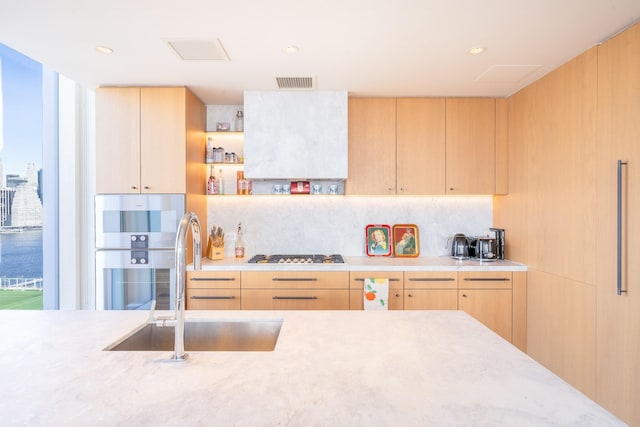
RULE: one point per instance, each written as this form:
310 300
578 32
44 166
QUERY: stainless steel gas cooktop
297 259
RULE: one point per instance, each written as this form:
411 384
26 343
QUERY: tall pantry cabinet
618 314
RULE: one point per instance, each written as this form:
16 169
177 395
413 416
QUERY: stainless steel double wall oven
135 250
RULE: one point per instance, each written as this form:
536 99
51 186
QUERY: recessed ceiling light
290 49
104 49
476 50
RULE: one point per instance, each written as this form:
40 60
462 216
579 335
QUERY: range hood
296 135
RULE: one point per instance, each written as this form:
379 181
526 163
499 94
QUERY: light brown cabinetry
213 290
618 314
487 296
146 140
372 146
356 283
550 215
420 146
430 290
416 146
470 147
295 290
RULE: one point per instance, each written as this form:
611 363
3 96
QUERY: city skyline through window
21 135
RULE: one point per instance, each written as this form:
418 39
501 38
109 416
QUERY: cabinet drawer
430 299
356 278
213 279
485 280
295 299
430 280
213 299
295 280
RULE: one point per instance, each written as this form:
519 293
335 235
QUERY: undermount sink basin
205 335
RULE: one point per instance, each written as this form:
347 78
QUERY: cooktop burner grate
297 259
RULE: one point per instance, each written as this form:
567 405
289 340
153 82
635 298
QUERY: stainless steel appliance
459 246
297 259
123 218
499 234
135 250
128 283
486 249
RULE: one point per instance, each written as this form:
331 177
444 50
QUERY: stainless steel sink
205 335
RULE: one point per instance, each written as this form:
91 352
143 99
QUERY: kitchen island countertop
354 368
363 263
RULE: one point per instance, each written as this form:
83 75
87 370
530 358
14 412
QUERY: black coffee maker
499 236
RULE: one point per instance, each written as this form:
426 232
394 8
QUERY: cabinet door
372 147
618 316
420 138
492 307
470 146
430 299
163 140
356 283
117 140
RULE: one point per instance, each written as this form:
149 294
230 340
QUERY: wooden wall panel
561 324
549 215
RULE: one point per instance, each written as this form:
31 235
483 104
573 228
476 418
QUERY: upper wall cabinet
146 138
420 150
372 146
429 146
471 149
295 135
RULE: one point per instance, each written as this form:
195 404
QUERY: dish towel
376 294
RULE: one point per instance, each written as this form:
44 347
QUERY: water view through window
21 255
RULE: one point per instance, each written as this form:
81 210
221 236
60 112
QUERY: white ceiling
366 47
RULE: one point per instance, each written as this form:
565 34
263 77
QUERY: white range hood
295 135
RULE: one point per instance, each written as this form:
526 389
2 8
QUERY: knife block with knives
215 247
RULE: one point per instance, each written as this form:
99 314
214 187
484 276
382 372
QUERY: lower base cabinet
430 290
356 285
213 290
488 297
295 290
498 299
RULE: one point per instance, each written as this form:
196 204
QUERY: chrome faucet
178 319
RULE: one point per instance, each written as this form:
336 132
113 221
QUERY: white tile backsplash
336 224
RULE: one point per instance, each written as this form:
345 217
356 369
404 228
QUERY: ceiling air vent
294 82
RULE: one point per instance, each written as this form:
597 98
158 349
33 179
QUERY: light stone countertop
360 263
329 368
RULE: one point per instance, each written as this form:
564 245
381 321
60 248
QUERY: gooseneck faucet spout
189 219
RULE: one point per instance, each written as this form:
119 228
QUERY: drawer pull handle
292 279
487 279
213 297
431 279
464 295
277 297
391 279
213 279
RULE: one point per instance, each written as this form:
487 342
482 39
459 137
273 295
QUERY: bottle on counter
212 185
239 242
